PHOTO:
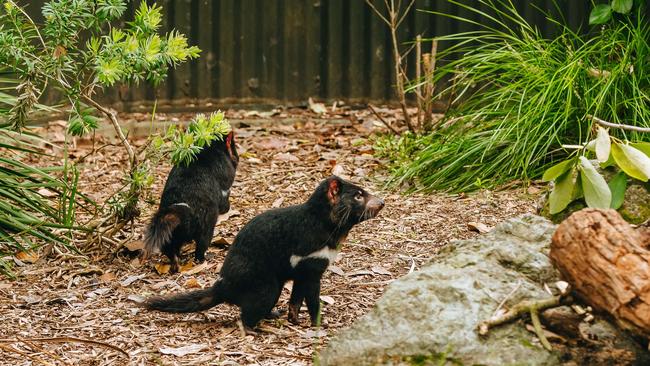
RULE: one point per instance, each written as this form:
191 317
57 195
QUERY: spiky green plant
519 97
36 204
79 49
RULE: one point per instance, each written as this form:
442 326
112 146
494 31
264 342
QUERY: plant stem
619 126
111 116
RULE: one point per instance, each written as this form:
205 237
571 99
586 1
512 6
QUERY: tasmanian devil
293 243
193 198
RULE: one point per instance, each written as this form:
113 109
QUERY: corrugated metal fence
289 50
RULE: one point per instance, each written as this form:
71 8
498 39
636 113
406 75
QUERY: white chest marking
181 204
324 253
225 192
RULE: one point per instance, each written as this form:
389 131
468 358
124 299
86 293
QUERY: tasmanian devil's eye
358 196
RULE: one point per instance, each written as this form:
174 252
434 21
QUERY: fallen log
607 263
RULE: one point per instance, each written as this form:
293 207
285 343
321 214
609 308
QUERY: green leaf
622 6
562 193
642 146
558 169
596 190
632 161
600 14
603 145
617 186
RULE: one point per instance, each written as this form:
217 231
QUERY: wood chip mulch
82 309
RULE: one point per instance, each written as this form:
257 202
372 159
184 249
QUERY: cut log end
607 263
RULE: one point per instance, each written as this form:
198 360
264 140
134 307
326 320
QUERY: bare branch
408 8
118 130
618 126
374 111
379 14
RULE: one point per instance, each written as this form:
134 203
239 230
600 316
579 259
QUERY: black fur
192 200
258 262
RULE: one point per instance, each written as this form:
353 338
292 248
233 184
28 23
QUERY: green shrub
519 97
36 204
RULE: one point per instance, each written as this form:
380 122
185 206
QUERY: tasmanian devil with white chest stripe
193 198
294 243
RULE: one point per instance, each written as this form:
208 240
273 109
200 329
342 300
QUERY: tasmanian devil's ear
333 188
230 139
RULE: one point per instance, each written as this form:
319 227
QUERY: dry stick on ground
394 20
618 126
31 357
531 307
374 111
68 339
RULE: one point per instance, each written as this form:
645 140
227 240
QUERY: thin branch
68 339
534 317
382 119
14 350
111 116
518 310
618 126
408 8
369 2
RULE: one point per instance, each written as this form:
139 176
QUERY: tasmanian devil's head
350 204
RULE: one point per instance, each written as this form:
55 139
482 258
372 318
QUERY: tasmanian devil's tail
189 302
163 223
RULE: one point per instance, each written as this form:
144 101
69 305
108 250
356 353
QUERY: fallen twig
13 350
524 307
619 126
534 317
68 339
382 119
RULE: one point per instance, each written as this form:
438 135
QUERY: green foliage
201 131
79 49
602 13
55 52
610 151
519 98
35 203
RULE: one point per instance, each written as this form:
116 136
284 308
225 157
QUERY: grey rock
435 311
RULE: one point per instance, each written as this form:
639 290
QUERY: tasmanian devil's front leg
306 286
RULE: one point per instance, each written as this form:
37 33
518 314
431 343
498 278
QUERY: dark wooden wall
290 50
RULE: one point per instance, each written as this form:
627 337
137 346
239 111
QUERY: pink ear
333 190
229 139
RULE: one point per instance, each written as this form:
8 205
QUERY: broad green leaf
600 14
557 170
596 190
562 193
617 186
603 145
622 6
632 161
642 146
577 189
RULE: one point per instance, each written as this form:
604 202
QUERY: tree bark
607 263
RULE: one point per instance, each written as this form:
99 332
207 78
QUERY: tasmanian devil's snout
374 204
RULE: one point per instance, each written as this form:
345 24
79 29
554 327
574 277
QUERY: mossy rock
635 208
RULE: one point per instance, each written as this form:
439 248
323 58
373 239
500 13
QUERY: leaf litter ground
72 309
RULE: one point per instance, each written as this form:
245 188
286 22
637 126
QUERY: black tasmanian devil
293 243
193 198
